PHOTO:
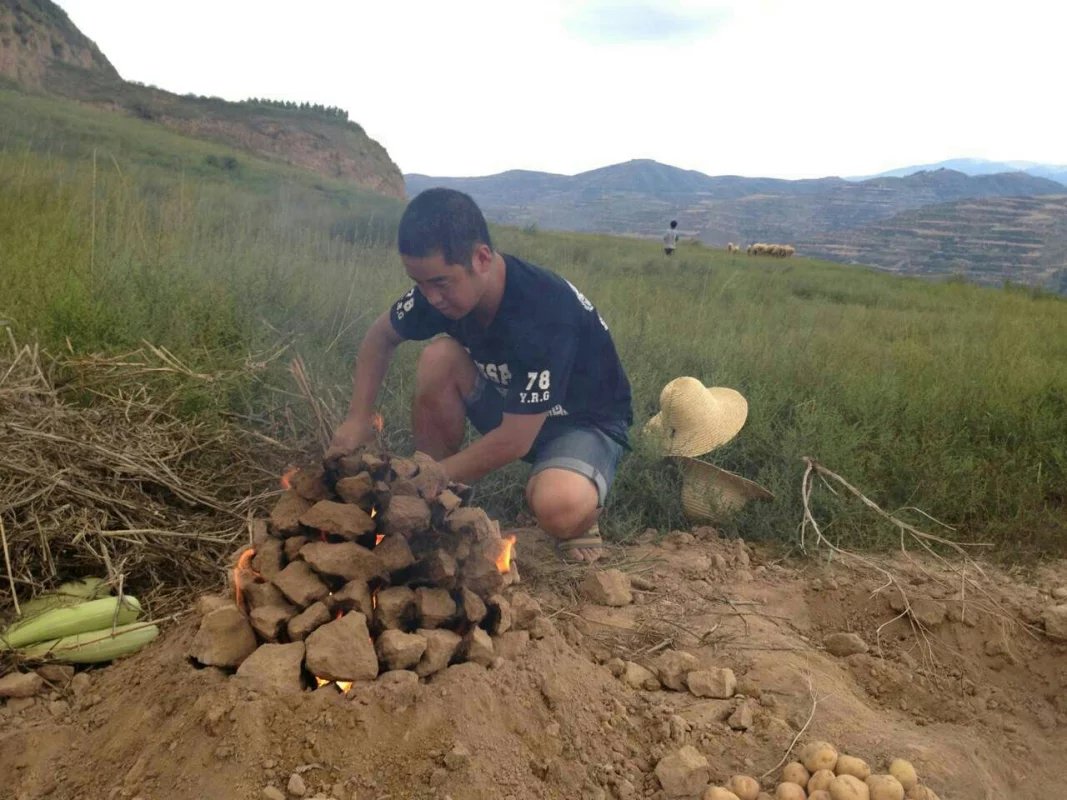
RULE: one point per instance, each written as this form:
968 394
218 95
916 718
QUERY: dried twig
908 532
920 535
7 564
804 727
318 409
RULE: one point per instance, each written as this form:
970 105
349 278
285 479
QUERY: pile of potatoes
823 774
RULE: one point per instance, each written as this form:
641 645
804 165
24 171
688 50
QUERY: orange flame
378 421
241 567
503 561
344 686
287 478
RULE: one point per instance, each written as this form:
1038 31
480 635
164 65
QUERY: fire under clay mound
377 564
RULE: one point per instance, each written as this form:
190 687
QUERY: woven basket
710 494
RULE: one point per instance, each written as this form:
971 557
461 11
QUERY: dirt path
977 700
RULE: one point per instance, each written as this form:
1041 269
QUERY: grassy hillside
43 52
313 138
949 398
59 131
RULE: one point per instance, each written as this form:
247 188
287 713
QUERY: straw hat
709 494
694 419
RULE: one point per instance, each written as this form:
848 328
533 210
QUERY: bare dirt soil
975 697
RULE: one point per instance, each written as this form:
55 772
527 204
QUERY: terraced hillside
842 207
990 240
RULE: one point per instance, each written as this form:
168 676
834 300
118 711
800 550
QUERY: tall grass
946 397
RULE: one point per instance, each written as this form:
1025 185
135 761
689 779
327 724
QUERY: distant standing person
670 238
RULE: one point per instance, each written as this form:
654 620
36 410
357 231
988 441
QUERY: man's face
453 289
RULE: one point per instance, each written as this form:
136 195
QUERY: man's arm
502 445
539 383
372 362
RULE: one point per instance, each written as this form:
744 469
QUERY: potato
764 796
885 787
790 791
794 772
904 772
850 765
744 787
818 755
718 793
849 787
820 794
919 792
821 780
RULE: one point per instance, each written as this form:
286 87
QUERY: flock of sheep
760 249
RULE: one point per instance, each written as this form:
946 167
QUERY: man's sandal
590 541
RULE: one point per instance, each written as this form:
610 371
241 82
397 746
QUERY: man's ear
481 258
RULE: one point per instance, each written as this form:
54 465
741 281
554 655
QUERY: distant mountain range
835 218
980 166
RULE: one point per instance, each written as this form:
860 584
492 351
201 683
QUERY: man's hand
349 435
375 352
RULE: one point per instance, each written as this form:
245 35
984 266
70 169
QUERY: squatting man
519 351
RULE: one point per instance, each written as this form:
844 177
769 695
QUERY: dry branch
908 533
814 705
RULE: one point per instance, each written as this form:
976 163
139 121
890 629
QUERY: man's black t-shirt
546 350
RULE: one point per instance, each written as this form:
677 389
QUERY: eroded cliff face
41 50
334 150
37 33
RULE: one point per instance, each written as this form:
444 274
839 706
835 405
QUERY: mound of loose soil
972 692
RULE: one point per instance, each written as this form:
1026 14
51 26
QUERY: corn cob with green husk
94 646
93 615
67 594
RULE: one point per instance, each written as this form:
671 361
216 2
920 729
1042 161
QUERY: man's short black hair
442 221
674 223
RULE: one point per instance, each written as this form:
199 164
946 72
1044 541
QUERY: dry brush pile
101 474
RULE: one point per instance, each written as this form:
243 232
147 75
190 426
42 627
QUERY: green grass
946 397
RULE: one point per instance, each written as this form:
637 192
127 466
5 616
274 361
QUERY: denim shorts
560 444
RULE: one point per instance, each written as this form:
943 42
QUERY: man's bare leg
565 504
444 376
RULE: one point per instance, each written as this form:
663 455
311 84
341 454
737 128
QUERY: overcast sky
782 88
